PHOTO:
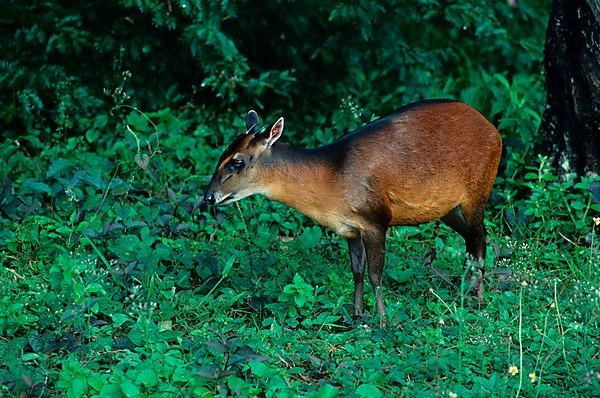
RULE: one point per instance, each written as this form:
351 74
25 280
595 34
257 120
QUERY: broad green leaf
94 288
111 390
129 389
368 391
35 187
92 135
96 381
260 369
58 166
68 314
36 342
327 391
147 377
29 356
78 387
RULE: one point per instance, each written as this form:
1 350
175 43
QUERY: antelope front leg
357 262
374 243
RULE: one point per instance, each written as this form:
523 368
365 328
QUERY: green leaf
59 166
578 205
69 313
129 389
147 377
531 176
299 300
119 319
127 247
89 179
96 381
368 391
94 288
502 81
29 356
36 342
33 186
92 135
209 371
310 237
64 230
142 161
327 391
111 390
23 319
217 346
78 386
228 266
260 369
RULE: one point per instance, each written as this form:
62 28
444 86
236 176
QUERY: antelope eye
235 165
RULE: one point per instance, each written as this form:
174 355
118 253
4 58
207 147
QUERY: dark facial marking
234 147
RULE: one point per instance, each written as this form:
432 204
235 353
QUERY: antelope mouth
225 199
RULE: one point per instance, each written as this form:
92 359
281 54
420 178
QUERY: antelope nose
209 198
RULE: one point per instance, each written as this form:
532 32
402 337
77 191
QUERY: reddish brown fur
435 160
409 188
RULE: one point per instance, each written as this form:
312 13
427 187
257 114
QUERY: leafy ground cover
117 281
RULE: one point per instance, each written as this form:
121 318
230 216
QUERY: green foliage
119 282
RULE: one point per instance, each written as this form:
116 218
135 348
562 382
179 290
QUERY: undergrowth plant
119 282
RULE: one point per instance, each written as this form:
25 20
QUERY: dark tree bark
571 121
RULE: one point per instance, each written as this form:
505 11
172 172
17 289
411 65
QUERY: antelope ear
275 132
251 122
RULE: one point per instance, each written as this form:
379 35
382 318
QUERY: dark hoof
382 322
478 288
429 257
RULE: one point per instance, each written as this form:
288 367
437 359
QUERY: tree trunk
571 121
